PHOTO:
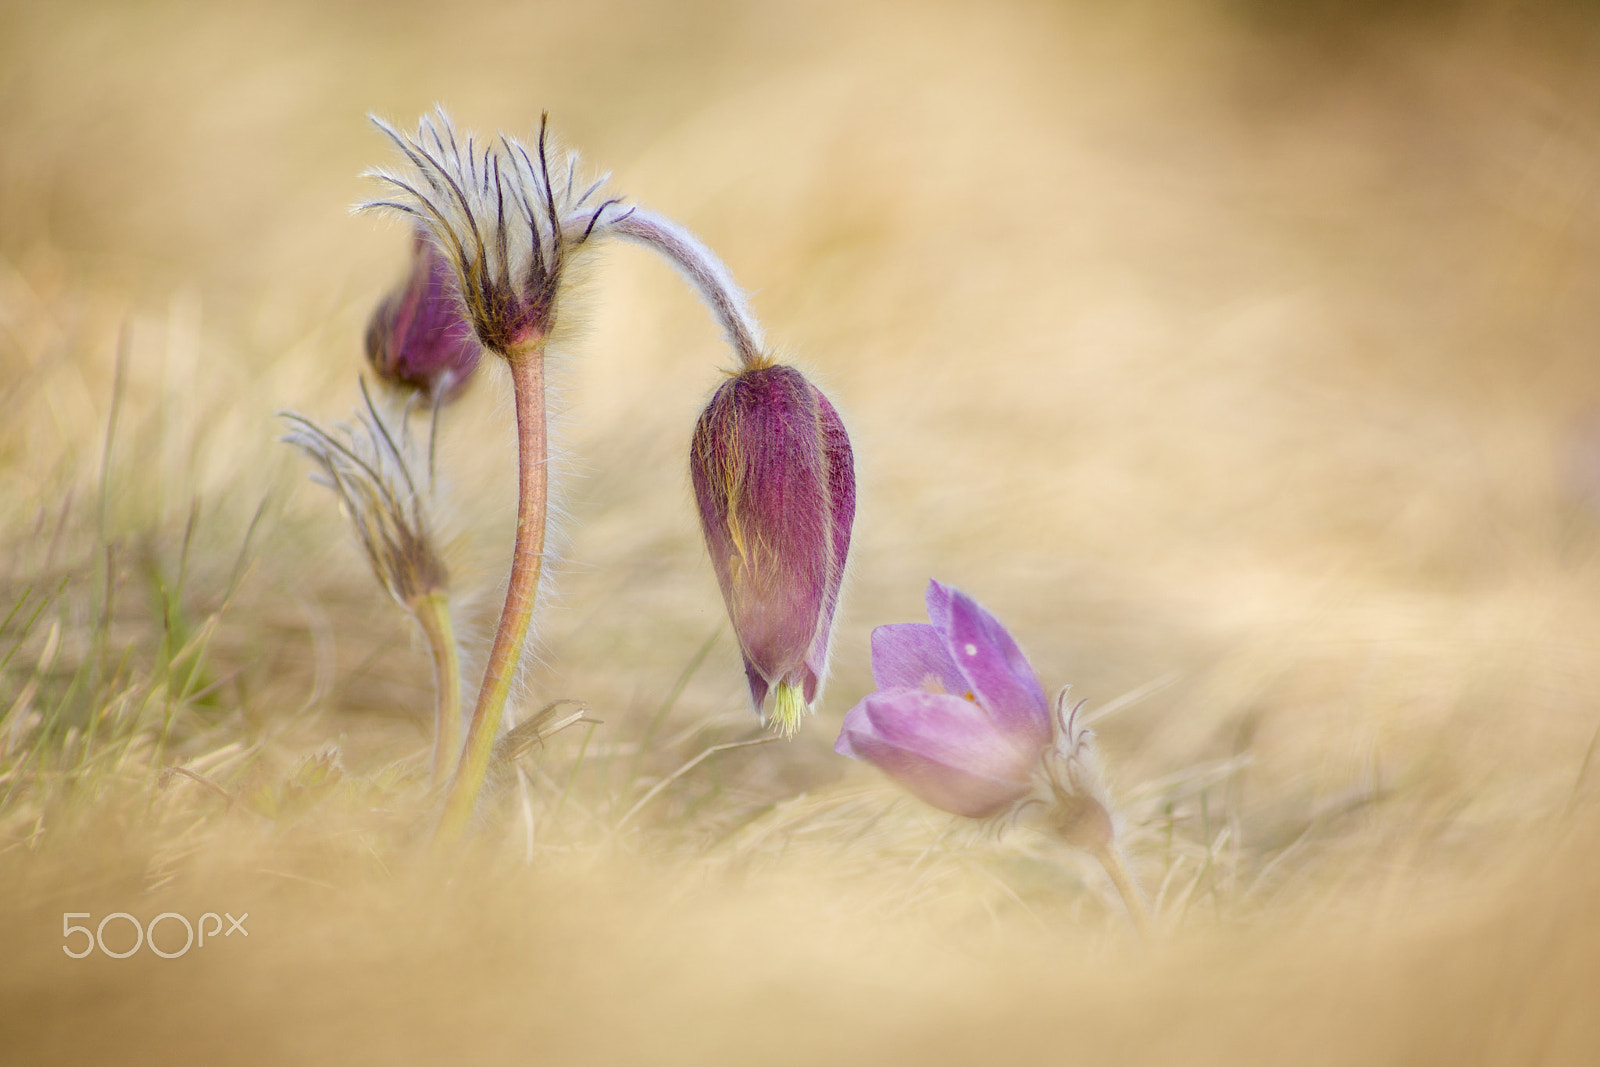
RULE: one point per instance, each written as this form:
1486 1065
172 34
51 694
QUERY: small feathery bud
1079 809
370 472
507 226
775 482
417 337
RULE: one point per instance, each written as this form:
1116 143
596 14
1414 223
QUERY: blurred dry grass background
1240 356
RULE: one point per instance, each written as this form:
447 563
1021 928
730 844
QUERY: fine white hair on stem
506 215
704 271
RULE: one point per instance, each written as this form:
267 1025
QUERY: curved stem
432 613
1111 859
705 272
527 559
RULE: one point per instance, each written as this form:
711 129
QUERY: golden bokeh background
1241 357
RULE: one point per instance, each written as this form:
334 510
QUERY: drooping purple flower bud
959 717
417 337
775 482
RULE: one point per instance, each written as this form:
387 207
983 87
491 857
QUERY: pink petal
955 787
948 730
914 655
997 672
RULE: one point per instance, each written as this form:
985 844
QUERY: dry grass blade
656 789
538 728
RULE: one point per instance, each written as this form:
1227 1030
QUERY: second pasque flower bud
417 337
775 482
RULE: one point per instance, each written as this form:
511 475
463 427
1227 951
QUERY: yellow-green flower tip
789 709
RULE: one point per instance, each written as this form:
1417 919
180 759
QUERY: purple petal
917 739
855 722
808 679
948 730
758 684
997 672
913 655
841 477
938 600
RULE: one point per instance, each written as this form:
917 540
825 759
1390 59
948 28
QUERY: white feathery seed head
370 469
507 216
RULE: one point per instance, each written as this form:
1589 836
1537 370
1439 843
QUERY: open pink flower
959 717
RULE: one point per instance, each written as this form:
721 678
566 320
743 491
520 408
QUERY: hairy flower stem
432 613
706 273
1111 859
527 380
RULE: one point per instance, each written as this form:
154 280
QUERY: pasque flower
774 479
502 220
509 228
370 469
959 718
417 338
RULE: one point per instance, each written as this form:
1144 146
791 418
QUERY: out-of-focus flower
959 717
417 338
370 472
775 482
506 226
1077 808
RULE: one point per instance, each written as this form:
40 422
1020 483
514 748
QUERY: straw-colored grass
1242 362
